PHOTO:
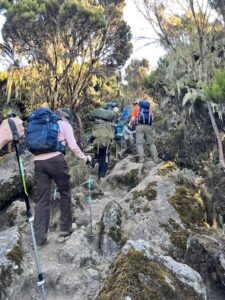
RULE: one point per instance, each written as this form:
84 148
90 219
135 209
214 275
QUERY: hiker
122 134
128 135
126 114
142 117
117 115
102 136
50 164
119 139
6 133
134 113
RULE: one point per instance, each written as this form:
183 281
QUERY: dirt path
56 273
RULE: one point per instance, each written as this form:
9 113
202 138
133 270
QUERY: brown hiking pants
45 170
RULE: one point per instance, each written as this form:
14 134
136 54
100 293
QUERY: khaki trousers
144 137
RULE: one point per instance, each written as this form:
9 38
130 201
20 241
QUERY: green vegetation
135 76
78 170
116 233
189 205
15 256
68 44
215 91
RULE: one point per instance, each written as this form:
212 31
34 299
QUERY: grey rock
11 260
111 236
76 250
206 254
125 175
185 274
16 213
10 182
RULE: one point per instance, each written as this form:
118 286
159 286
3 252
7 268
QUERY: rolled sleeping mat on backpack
103 114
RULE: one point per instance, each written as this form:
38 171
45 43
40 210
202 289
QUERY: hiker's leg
132 143
150 143
62 179
140 142
103 165
117 148
42 208
123 147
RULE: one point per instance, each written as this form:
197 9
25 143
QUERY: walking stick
89 202
40 282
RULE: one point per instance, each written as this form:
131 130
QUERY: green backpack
103 133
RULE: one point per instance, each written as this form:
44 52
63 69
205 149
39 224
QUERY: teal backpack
118 132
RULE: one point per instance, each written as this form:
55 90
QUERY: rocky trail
148 221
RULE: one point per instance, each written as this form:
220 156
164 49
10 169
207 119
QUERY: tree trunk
217 133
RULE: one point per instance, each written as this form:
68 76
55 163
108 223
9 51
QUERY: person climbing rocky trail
147 219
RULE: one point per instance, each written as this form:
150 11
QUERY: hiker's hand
89 159
5 131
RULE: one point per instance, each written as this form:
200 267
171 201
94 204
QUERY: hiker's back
144 115
42 132
103 133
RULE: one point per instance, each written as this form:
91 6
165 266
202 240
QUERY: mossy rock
111 235
149 192
178 237
134 275
141 199
189 205
128 180
15 256
7 271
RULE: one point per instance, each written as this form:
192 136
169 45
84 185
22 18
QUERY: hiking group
47 135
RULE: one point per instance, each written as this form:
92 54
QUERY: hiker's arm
128 131
5 131
70 139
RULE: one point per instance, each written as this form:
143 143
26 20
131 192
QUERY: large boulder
10 182
140 273
148 209
111 237
126 175
206 254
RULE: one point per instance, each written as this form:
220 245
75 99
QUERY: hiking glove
89 159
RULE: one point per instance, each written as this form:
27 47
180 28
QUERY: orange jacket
135 112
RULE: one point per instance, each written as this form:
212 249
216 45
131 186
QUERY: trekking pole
41 281
89 202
